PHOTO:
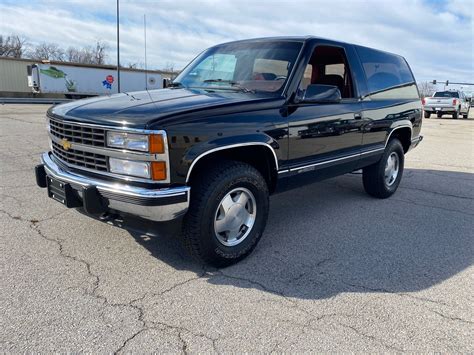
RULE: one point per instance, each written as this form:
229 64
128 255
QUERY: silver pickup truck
447 102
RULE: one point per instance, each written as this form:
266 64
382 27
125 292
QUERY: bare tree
135 65
12 46
100 52
169 67
88 54
48 51
426 89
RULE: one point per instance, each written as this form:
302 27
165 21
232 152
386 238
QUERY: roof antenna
146 68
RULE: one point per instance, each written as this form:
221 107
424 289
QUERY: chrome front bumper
153 204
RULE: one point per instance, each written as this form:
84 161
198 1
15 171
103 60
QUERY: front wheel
227 214
427 114
382 178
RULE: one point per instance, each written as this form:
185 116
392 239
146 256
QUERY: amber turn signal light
158 170
157 144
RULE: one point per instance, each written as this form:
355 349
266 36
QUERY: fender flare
230 146
404 125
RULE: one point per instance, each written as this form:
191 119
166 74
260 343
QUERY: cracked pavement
335 270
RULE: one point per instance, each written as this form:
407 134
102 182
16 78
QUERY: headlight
153 143
155 170
132 168
130 141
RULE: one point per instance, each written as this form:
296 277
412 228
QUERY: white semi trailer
77 81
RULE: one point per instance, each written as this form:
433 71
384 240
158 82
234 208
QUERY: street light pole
118 46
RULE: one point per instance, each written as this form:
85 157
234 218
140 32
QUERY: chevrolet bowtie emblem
66 144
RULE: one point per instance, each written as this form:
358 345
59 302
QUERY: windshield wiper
220 81
233 84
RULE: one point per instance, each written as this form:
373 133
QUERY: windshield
242 66
446 94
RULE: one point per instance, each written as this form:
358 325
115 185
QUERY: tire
427 114
439 115
375 182
225 179
456 114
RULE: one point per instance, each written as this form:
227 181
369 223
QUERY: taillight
423 102
454 102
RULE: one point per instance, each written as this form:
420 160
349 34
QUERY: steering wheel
280 77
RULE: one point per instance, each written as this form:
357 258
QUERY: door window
328 66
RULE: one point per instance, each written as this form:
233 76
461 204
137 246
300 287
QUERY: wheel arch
248 152
402 133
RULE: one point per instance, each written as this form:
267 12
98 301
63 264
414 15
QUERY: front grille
80 158
76 133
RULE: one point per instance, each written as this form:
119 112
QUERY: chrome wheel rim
235 217
391 169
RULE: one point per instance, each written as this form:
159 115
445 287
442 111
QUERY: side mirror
316 93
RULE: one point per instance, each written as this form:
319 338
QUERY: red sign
110 79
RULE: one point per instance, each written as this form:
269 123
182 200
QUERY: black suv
242 120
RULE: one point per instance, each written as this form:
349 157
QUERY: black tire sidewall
394 146
212 250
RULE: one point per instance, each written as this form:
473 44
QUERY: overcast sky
436 36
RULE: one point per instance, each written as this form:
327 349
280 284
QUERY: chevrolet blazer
242 121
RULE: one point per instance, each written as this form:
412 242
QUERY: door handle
358 116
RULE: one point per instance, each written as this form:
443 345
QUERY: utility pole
146 67
118 46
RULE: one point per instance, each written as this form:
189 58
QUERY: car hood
140 109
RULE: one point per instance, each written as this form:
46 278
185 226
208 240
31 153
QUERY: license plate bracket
438 108
63 193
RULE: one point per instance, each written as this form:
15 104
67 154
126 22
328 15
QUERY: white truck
78 81
447 102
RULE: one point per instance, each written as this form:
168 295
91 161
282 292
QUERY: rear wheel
382 178
456 114
427 114
227 214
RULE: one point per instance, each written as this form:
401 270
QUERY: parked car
454 103
469 96
242 121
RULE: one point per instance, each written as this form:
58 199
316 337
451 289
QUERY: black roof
304 39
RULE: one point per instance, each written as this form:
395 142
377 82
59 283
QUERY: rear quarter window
388 75
446 94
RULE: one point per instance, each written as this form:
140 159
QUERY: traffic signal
447 82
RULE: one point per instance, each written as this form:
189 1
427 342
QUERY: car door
325 135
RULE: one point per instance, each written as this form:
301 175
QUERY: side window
328 66
335 69
306 77
384 71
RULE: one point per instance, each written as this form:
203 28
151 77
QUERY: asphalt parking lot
336 270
